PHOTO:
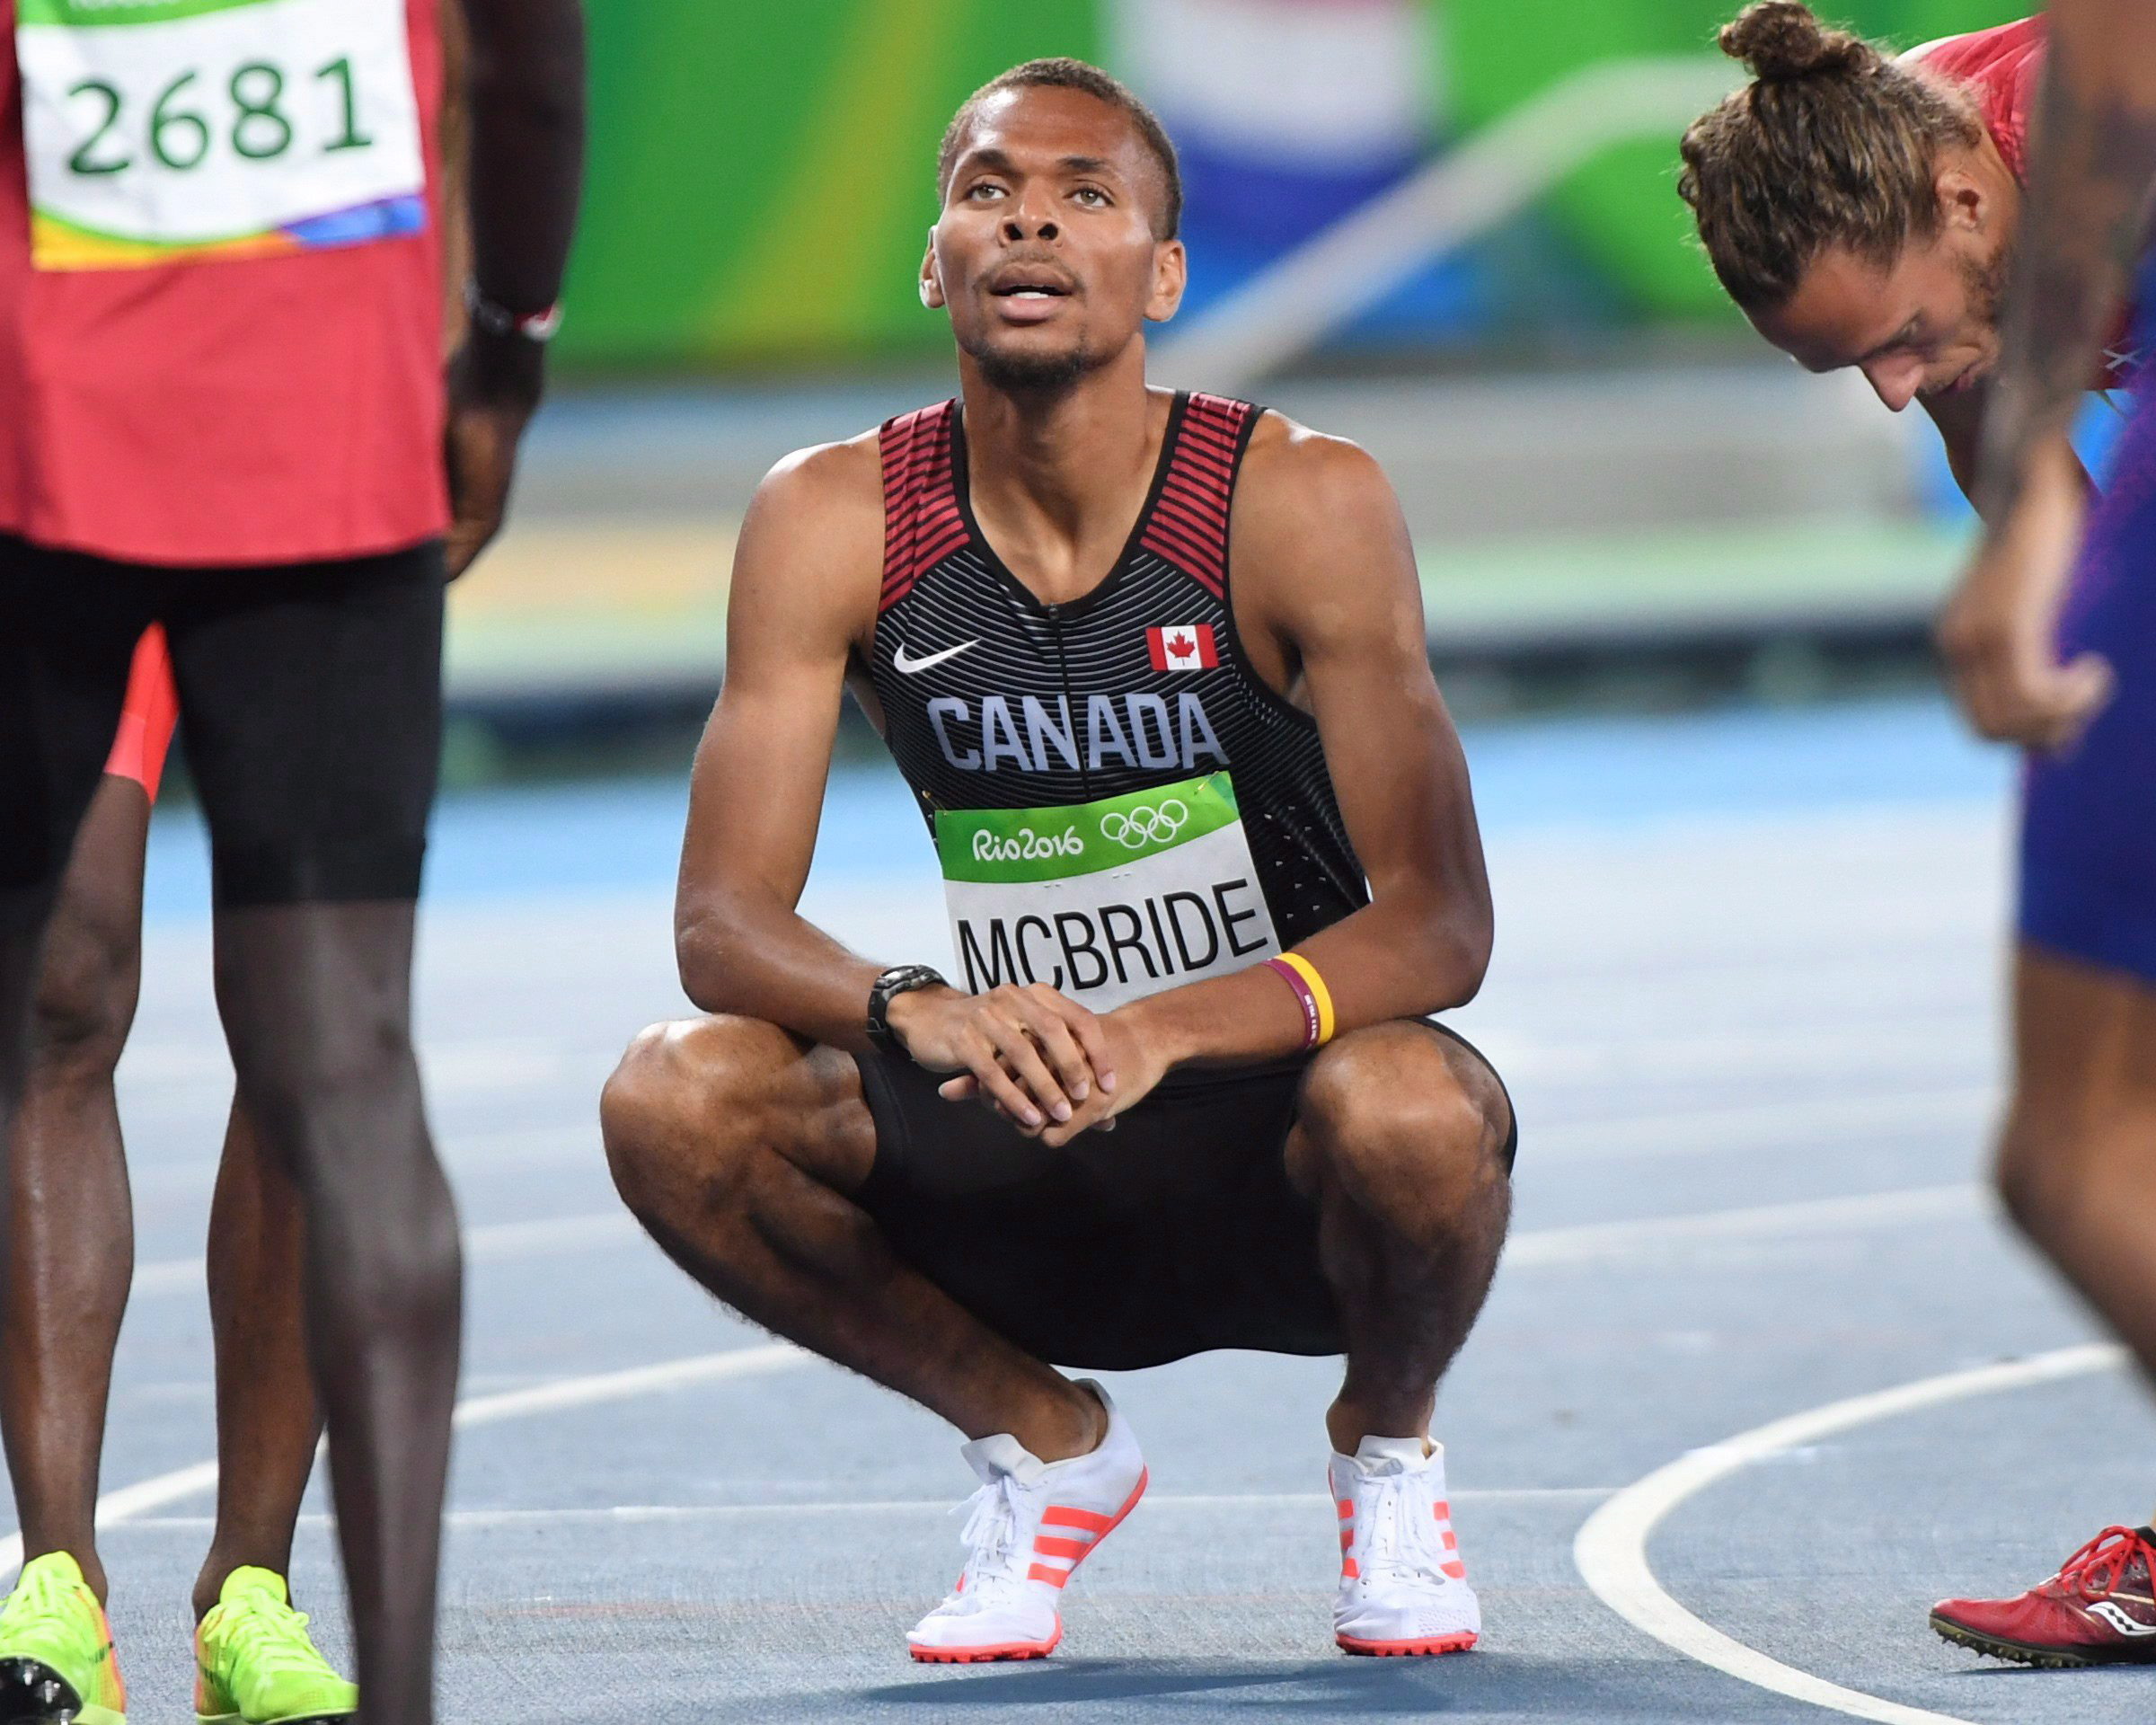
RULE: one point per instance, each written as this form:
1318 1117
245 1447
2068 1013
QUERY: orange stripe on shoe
1441 1509
1062 1516
1350 1569
1044 1546
1345 1507
1457 1570
1092 1529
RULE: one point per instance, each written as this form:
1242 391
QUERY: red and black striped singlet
1118 718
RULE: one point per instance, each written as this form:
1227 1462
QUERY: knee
678 1111
303 1087
84 999
1396 1114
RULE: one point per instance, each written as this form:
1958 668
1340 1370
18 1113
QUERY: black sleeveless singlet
1063 753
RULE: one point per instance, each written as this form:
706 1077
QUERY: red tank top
2002 69
281 408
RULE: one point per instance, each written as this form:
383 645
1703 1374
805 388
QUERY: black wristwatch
498 320
899 980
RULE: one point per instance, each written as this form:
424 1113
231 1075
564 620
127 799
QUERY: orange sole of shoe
1422 1649
982 1655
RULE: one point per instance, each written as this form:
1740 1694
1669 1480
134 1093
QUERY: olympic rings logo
1143 826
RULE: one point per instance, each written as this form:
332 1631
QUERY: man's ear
1171 277
931 277
1964 205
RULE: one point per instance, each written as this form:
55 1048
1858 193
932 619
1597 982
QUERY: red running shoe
2099 1609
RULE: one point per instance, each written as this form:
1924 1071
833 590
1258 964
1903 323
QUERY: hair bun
1781 39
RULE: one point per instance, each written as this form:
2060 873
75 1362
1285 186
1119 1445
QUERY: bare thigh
2084 1037
2084 1103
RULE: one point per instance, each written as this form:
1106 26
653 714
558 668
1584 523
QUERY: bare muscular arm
522 136
2083 227
1328 604
804 588
805 575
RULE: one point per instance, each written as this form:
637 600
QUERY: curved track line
1594 1241
1611 1549
641 1514
582 1392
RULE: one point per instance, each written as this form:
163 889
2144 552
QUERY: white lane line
466 1154
1610 1548
589 1390
498 1243
1596 1241
131 1502
1912 1047
506 1241
640 1513
1755 1126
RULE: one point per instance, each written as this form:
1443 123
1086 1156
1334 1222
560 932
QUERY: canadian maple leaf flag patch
1187 648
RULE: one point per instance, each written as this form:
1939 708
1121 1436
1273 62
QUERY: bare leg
71 1248
2077 1162
267 1423
737 1146
316 1000
24 912
1398 1134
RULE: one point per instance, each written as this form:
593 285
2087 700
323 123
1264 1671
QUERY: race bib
1106 901
160 130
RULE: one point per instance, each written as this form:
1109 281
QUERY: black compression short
310 712
1175 1233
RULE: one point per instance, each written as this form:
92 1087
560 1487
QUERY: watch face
901 979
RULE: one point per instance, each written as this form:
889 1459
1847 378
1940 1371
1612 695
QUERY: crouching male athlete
1210 858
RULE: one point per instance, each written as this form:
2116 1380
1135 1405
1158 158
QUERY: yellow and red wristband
1316 1000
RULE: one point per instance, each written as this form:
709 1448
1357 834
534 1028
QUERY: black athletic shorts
1175 1233
309 711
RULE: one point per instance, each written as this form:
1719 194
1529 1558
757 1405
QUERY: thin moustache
1034 272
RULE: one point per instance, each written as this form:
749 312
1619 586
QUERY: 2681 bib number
180 136
159 130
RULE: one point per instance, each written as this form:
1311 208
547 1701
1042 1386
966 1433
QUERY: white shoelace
1403 1533
992 1569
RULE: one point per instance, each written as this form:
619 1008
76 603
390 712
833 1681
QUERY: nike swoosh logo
914 667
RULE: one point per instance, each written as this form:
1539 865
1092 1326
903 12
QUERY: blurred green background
1618 493
761 175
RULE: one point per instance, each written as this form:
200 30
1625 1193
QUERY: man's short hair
1065 73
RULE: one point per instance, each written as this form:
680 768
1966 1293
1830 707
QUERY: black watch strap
899 980
498 320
